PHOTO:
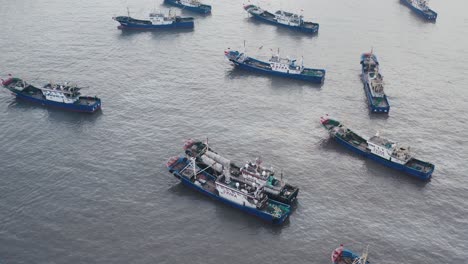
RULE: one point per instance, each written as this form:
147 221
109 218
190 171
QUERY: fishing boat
156 20
373 84
253 173
229 190
379 149
345 256
421 8
191 5
282 18
278 66
64 96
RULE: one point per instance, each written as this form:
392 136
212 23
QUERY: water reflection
159 32
275 81
227 214
372 167
283 31
55 114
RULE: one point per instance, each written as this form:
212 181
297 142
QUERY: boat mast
128 11
364 255
363 258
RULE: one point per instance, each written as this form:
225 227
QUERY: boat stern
421 169
89 104
205 9
289 194
279 211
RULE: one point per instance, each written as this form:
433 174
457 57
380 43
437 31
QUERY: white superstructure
287 18
285 65
158 18
232 189
62 93
388 150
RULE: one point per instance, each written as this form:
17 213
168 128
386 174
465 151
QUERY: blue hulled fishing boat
373 84
155 21
421 8
379 149
191 5
64 96
229 190
344 256
282 18
252 172
278 66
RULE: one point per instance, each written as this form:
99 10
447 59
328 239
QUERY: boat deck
379 102
206 182
310 25
313 72
268 15
36 93
257 64
179 166
356 140
87 100
266 66
420 165
360 145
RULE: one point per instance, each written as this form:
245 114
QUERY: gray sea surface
79 188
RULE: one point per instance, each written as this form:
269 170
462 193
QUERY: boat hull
418 174
70 107
303 77
253 211
124 25
303 29
203 9
430 15
374 108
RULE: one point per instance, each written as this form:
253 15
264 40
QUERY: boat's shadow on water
276 82
377 116
55 114
283 31
227 214
184 12
159 32
374 168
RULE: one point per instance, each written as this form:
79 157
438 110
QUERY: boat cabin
388 150
285 65
287 18
63 93
160 19
370 64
